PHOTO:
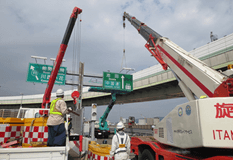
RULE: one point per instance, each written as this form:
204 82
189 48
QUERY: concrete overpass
149 84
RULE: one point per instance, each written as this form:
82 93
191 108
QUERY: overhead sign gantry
40 73
117 81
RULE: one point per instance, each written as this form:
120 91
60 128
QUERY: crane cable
76 49
123 58
79 40
74 57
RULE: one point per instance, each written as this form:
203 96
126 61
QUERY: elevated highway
149 84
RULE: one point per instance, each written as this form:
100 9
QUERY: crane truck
200 128
33 134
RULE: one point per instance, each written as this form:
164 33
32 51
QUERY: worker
120 144
69 124
55 123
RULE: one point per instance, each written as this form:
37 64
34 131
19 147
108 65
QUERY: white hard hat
59 92
120 125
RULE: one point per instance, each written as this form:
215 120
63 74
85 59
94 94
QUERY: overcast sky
37 28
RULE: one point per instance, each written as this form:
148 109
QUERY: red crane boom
60 55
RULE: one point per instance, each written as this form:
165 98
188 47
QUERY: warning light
75 95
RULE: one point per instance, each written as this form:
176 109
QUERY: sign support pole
81 72
78 106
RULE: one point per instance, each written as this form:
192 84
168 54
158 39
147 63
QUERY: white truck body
43 153
35 153
199 123
29 112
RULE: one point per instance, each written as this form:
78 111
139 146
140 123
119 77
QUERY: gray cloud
37 28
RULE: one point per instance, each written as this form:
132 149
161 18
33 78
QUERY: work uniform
120 146
55 123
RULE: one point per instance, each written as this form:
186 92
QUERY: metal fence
4 113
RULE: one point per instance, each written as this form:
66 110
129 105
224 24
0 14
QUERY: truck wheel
136 157
147 155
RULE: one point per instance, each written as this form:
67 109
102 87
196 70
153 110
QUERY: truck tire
135 158
147 155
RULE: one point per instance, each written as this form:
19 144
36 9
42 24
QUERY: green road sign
41 72
117 81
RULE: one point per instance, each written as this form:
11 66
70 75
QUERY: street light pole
37 57
21 100
127 69
53 59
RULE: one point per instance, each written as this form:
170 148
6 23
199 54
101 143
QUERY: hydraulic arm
103 125
194 76
60 55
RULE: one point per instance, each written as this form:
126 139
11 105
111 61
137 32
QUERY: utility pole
80 88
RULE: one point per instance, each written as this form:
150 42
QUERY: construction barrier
98 151
92 156
35 130
8 132
12 121
10 129
28 132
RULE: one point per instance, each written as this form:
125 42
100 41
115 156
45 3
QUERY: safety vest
53 109
68 123
122 139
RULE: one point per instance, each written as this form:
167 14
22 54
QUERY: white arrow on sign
122 77
32 68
